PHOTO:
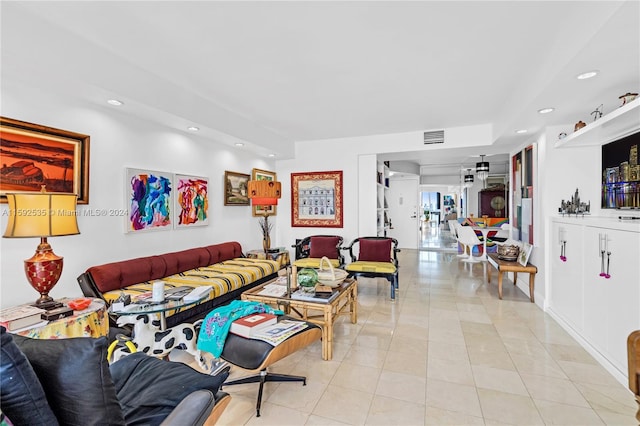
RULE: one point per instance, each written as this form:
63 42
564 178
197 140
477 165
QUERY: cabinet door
612 304
567 282
624 292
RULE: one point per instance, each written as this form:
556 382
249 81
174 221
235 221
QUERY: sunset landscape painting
33 156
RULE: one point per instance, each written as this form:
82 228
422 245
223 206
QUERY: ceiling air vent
434 136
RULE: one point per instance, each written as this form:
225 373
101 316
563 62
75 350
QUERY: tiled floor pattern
446 352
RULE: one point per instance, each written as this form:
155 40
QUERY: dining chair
468 238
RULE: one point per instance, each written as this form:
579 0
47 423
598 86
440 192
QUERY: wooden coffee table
321 313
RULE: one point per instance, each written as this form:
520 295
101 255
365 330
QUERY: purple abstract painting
150 200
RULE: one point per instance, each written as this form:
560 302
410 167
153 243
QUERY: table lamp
264 193
42 215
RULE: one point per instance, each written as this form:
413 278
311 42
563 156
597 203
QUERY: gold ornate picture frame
34 155
316 199
259 174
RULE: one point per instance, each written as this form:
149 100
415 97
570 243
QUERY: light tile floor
446 352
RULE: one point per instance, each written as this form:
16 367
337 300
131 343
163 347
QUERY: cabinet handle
563 251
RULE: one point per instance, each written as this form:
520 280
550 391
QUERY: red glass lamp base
43 271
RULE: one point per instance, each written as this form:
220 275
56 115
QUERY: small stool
253 354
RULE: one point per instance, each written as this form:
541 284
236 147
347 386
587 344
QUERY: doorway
434 232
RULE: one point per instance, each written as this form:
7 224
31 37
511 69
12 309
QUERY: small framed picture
235 192
525 253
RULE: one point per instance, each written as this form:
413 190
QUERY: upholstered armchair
310 250
375 257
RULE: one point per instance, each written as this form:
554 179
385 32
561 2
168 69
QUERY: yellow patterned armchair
310 250
376 257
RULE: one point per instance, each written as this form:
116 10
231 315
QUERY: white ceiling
272 73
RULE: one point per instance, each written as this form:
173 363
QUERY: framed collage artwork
316 199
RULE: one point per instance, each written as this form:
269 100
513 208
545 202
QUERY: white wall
119 140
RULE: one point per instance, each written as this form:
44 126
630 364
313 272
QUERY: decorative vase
307 279
266 243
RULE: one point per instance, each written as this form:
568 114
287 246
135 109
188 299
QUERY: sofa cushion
149 388
375 250
76 379
324 246
22 398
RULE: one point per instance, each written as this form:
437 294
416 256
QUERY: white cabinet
596 291
566 295
384 221
611 290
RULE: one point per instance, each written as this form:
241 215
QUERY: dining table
485 230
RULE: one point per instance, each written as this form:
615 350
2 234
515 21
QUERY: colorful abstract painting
149 200
192 201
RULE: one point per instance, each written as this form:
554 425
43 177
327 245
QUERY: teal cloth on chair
217 323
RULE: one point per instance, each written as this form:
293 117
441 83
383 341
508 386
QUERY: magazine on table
279 332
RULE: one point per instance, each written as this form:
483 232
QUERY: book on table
251 324
21 316
314 297
279 332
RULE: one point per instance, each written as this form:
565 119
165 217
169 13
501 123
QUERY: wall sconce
482 168
42 215
264 193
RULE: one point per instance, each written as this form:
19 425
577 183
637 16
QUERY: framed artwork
525 253
316 199
523 168
257 174
191 201
149 199
235 189
35 155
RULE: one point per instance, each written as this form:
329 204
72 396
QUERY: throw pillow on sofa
74 374
22 398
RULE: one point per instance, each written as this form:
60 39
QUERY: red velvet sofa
103 281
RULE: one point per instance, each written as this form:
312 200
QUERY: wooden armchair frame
633 359
303 247
393 259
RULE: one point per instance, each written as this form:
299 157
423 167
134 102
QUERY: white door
404 212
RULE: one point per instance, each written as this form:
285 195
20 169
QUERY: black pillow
22 398
149 388
76 379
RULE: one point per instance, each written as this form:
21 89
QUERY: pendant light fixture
482 168
468 179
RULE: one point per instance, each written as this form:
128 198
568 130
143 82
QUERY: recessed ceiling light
586 75
238 144
521 131
115 102
272 155
546 110
193 128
